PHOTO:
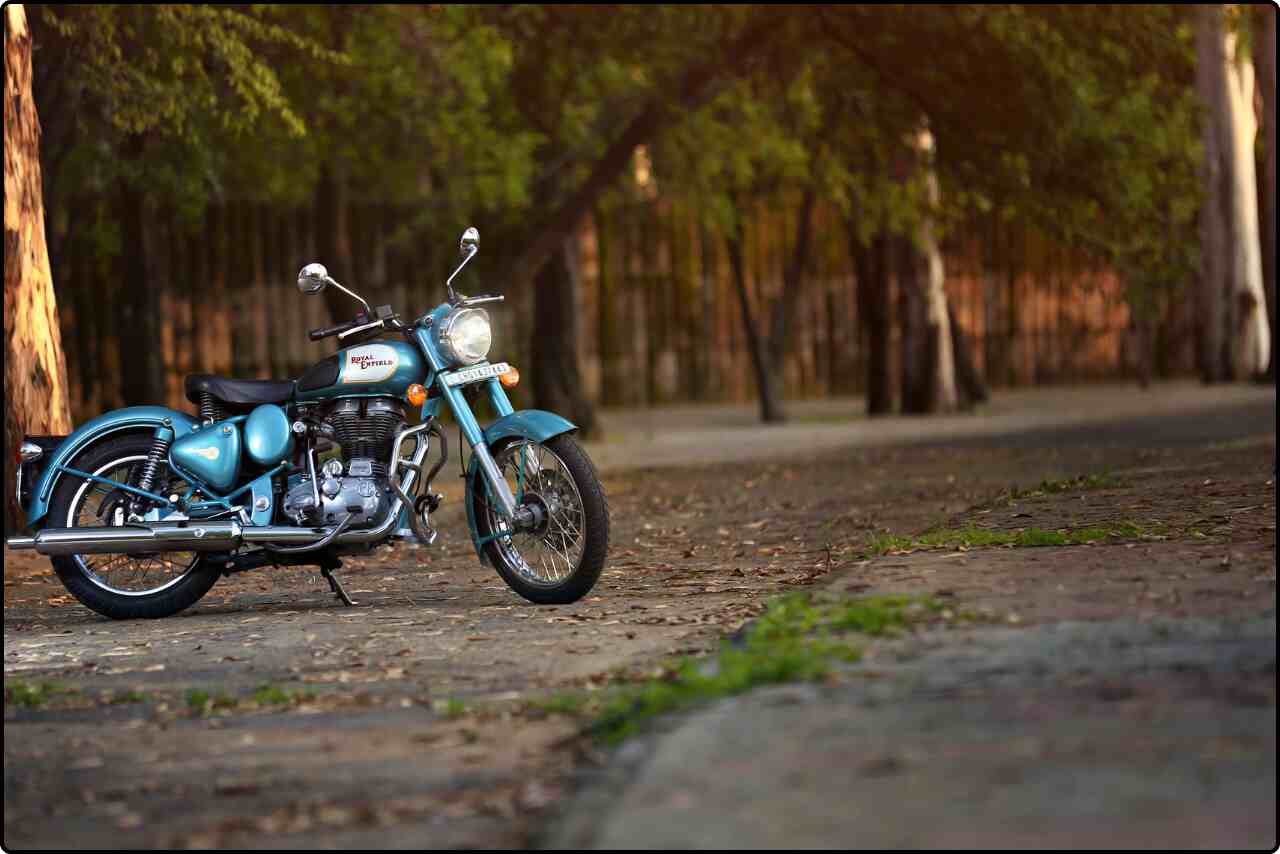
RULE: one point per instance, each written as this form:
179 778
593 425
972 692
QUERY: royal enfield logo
372 363
210 453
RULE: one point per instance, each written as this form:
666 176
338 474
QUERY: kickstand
334 584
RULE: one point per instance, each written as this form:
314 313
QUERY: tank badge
372 363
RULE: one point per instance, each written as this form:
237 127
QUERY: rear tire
176 596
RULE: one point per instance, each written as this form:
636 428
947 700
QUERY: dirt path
270 715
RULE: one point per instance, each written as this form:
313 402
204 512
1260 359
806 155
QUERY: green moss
274 695
203 702
973 537
30 694
450 708
799 637
1082 483
130 697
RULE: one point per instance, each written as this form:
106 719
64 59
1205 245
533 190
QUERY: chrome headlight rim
456 350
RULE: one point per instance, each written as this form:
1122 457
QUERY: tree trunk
971 385
872 271
35 370
557 374
784 310
1249 334
1235 338
914 347
1264 40
771 409
940 369
1211 84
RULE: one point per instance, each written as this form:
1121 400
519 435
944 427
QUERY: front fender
537 425
118 421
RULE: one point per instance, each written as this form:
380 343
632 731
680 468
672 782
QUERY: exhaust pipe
162 537
156 537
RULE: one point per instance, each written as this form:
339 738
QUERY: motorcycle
143 509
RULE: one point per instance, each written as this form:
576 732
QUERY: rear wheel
560 559
123 586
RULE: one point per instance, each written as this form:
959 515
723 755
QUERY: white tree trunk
1249 334
937 319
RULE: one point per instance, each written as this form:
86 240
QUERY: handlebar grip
317 334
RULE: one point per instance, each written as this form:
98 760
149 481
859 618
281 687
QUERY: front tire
162 584
561 561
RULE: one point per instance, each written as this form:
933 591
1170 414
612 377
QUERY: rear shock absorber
159 452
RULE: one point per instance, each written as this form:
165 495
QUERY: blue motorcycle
142 509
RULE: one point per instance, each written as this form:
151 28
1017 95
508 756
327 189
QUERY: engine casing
360 493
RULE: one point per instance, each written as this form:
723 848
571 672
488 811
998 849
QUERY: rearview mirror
470 242
312 278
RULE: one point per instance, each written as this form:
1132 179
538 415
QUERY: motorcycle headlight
466 336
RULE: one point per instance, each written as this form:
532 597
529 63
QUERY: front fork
475 438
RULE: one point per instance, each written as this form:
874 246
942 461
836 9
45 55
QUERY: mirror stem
367 309
471 253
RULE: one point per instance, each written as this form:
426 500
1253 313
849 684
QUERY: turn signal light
416 395
511 378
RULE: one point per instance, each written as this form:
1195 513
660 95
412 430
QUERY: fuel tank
377 368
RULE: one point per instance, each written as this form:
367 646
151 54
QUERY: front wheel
560 558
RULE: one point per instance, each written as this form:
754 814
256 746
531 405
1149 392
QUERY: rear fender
121 421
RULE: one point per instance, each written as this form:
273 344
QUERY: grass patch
450 708
1055 486
274 695
799 637
129 697
203 702
32 695
974 537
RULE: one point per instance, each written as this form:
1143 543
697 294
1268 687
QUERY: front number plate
479 372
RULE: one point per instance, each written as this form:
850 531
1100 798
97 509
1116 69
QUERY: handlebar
317 334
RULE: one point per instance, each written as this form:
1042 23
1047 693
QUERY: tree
1235 336
1264 41
928 364
145 107
35 372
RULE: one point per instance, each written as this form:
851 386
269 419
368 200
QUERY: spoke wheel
122 585
561 555
98 504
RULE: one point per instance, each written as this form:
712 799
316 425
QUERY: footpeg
336 586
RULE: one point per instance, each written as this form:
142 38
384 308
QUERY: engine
356 484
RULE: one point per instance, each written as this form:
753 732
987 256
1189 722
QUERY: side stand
326 569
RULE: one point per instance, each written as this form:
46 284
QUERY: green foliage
274 695
974 537
1077 124
202 702
1081 483
799 637
19 692
452 707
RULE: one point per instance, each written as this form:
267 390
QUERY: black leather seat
240 392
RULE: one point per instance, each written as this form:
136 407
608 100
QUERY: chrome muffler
153 537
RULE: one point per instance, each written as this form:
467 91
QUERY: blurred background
912 204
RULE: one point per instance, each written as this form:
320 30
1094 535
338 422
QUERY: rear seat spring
210 408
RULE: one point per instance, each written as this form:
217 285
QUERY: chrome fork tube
496 481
